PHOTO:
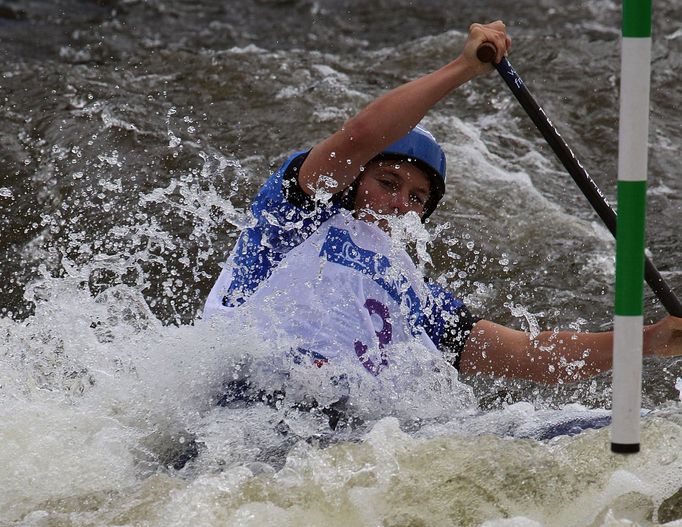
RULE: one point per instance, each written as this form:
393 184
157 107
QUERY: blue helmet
420 148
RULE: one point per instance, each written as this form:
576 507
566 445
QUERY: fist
496 34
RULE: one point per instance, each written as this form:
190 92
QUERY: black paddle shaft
589 188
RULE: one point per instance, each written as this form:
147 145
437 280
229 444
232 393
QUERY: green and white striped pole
631 226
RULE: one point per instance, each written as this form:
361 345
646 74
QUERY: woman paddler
320 272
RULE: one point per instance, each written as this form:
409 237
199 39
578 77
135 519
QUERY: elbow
355 131
360 136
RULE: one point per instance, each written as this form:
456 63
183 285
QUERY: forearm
556 356
392 115
382 122
334 163
568 356
550 357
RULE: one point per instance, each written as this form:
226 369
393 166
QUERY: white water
99 399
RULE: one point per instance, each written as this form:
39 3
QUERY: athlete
321 245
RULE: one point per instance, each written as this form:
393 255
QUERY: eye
418 199
388 183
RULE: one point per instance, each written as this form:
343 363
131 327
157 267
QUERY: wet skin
390 188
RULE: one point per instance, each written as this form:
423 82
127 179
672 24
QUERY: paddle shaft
486 53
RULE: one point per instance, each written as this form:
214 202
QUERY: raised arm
552 357
391 116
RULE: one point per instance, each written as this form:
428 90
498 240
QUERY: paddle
486 53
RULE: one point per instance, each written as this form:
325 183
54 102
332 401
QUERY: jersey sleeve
283 216
448 322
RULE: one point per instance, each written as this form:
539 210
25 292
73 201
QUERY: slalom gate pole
630 239
486 53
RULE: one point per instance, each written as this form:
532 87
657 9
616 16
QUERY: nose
400 202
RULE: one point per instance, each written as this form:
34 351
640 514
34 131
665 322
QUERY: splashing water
129 177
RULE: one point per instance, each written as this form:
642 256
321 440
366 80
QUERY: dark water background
133 135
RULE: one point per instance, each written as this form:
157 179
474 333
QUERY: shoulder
443 299
448 321
447 312
282 186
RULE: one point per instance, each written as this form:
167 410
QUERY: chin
382 223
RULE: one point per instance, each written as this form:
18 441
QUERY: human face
391 187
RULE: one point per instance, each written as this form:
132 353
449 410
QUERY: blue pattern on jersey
441 310
340 248
279 227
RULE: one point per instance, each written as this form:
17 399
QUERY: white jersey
344 292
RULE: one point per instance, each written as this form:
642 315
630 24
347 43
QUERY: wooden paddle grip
486 52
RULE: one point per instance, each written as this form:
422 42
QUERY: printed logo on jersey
340 248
